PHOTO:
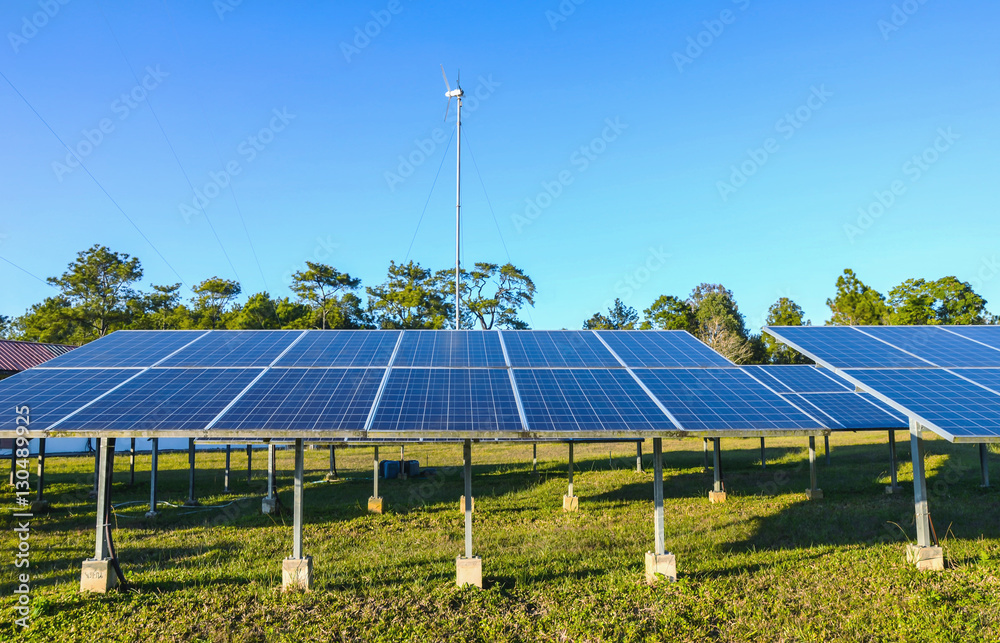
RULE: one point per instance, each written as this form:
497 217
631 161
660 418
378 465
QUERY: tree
411 297
493 295
956 303
720 325
98 287
5 326
669 313
319 286
855 304
212 297
619 317
160 309
783 312
259 312
50 321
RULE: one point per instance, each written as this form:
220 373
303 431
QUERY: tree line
98 294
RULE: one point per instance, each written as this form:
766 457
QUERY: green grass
766 566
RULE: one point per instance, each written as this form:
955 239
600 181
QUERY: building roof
20 356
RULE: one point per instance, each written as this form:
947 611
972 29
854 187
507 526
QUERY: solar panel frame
662 349
539 349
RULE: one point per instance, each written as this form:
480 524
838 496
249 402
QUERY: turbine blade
445 76
446 108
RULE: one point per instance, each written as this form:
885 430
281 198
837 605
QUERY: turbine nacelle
455 93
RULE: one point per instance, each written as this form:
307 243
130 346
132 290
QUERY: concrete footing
375 505
814 494
40 506
660 565
891 490
152 515
296 574
927 559
269 505
461 504
469 571
716 496
98 576
570 503
330 478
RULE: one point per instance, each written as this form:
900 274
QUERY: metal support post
763 455
249 463
192 501
826 448
983 464
131 462
638 456
152 477
717 466
467 454
225 479
658 496
894 485
375 475
534 460
919 486
297 506
704 443
272 466
570 493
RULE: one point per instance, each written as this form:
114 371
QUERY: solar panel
798 378
234 348
587 400
557 349
848 410
125 349
453 348
845 347
722 398
306 398
957 407
936 345
988 377
52 394
326 348
447 399
989 335
661 349
165 399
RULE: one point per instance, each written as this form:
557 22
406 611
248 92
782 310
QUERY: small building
20 356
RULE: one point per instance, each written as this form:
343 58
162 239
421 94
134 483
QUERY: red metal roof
20 356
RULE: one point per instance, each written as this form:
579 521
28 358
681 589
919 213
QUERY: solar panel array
946 377
402 384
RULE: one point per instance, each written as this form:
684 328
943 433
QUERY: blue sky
628 150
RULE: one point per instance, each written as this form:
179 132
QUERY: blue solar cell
450 348
447 399
326 348
722 398
661 349
957 407
125 349
306 398
52 394
936 345
988 377
798 378
234 348
165 399
989 335
844 347
847 410
587 400
557 349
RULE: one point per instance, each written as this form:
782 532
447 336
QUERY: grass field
768 565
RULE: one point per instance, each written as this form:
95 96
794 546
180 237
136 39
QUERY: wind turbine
457 94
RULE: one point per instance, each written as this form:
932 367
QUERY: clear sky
628 149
